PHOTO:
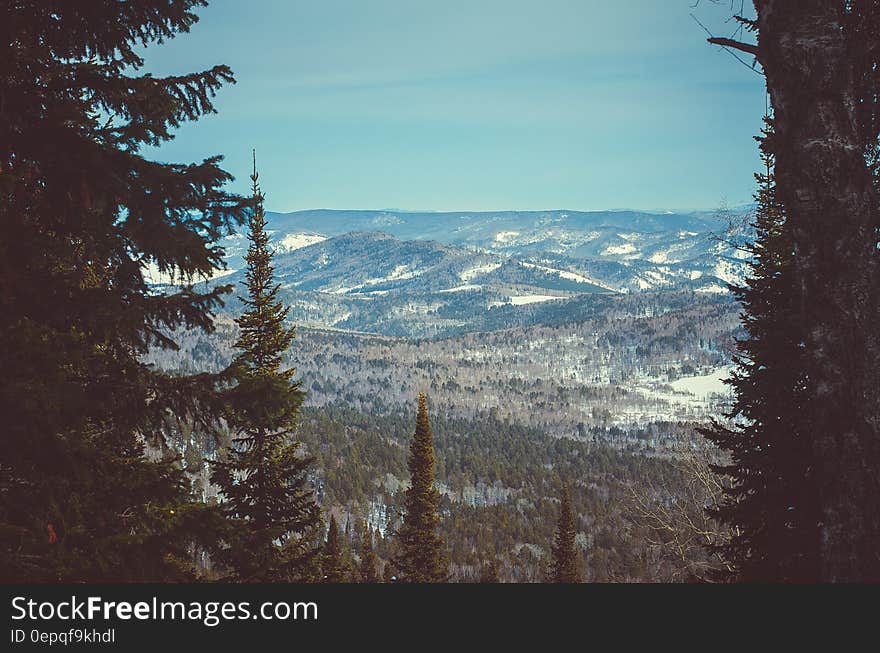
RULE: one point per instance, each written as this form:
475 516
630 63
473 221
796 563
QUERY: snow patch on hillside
465 287
477 270
615 250
706 385
292 242
728 271
153 276
399 272
506 236
520 300
571 276
713 288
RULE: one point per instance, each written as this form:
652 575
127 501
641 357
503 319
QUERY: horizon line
677 211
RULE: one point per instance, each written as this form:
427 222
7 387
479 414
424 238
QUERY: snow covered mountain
621 251
558 230
375 263
625 315
489 271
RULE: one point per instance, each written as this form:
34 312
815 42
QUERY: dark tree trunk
825 185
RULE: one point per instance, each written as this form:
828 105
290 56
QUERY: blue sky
477 105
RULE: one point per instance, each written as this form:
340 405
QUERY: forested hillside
498 482
605 361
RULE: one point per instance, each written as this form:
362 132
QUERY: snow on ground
152 275
520 300
706 385
728 271
612 250
671 254
506 236
712 288
292 242
688 398
470 273
222 273
467 286
571 276
399 272
651 279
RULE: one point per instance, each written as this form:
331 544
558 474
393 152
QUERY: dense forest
498 482
616 369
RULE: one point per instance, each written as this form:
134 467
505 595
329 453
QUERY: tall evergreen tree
333 568
564 563
421 558
771 504
83 214
368 568
820 59
266 492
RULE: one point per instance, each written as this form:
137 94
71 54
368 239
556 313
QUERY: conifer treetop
264 480
421 558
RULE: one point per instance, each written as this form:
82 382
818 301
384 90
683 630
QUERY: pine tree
82 215
333 568
820 60
421 558
564 565
771 504
369 563
267 496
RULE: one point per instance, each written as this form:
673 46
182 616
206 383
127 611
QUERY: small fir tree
421 558
267 496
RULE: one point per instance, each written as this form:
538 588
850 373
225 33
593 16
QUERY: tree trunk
830 204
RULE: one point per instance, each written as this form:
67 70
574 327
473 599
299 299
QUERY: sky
473 105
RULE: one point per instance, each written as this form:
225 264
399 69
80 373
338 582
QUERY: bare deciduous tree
683 531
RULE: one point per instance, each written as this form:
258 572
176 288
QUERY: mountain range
437 274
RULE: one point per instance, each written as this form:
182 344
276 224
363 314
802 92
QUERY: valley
551 346
543 319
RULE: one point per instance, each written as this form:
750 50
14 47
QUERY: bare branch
728 49
679 526
748 48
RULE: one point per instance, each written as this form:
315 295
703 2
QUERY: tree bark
825 185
